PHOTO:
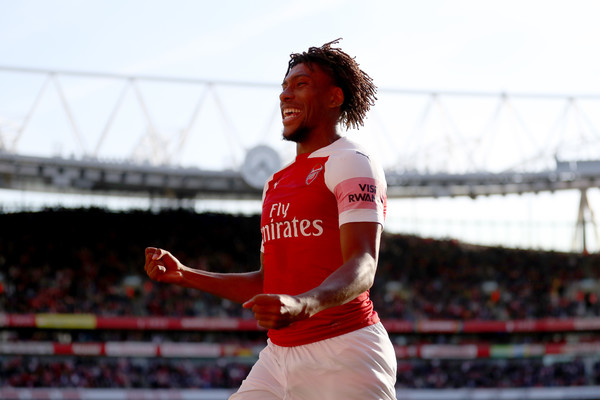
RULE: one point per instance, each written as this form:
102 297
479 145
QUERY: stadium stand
76 310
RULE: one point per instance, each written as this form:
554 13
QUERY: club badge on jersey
314 173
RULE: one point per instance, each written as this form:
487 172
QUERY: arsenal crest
314 173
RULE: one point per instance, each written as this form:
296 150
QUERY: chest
300 192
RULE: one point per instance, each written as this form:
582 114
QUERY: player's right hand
276 311
162 266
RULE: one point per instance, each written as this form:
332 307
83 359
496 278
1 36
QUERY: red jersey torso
304 204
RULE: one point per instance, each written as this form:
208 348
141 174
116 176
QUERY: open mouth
289 113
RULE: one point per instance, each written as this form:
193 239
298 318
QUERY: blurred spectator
184 374
90 261
119 373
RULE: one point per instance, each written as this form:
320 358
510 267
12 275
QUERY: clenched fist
162 266
275 311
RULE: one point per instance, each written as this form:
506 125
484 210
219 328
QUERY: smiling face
308 102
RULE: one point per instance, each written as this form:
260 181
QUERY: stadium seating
460 315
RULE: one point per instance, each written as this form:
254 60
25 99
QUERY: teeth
288 112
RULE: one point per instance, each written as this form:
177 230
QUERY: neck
315 141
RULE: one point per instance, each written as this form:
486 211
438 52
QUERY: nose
285 94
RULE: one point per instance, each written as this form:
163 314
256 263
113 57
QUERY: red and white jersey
304 205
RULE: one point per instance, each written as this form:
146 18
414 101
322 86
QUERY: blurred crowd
91 261
443 279
119 373
185 374
520 373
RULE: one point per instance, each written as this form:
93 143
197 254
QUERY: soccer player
321 223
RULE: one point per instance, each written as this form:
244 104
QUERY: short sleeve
359 186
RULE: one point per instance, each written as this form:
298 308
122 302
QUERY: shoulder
347 159
345 151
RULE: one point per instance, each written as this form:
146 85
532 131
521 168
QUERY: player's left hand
275 311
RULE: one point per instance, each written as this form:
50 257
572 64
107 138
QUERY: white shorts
359 365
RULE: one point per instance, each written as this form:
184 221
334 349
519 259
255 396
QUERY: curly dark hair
358 87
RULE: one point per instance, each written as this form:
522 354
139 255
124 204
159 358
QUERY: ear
337 97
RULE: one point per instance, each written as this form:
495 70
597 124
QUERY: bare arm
360 248
162 266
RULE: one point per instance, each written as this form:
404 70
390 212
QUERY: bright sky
533 46
508 45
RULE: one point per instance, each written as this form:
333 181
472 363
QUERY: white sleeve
359 186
